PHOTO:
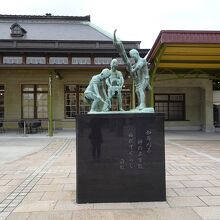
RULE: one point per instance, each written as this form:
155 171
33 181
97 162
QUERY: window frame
3 92
35 92
77 92
58 60
8 60
81 60
127 89
35 60
169 101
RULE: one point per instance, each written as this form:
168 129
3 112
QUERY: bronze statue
115 82
139 71
95 92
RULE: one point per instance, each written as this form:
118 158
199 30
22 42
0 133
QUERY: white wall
216 97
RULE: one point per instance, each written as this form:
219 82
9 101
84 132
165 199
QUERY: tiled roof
183 37
53 28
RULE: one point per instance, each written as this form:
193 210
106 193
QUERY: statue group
112 78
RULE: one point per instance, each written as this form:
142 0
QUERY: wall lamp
57 75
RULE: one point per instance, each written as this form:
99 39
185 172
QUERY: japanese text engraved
131 145
148 140
140 154
135 153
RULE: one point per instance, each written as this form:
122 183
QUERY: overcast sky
134 19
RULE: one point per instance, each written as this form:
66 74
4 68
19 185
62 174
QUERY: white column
208 124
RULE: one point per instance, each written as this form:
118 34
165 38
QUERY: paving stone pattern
42 185
15 197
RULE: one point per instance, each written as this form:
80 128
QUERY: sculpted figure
115 83
95 92
139 71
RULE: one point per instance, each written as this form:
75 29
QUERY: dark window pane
176 97
82 88
173 107
2 88
70 88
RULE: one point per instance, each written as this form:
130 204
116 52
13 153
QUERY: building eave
142 52
192 50
56 66
183 37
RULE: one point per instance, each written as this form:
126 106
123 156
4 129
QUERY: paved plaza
38 180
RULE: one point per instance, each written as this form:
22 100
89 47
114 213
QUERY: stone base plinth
120 158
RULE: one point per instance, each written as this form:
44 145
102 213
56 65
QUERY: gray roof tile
53 30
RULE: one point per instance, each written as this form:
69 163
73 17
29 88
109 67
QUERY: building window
2 107
34 101
173 105
35 60
12 60
84 107
81 60
74 101
102 60
58 60
70 101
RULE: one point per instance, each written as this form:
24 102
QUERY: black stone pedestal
120 157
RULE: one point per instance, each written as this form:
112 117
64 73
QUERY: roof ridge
46 16
100 30
191 31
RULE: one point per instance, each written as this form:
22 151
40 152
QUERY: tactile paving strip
16 197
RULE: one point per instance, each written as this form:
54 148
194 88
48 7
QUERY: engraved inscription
148 140
137 148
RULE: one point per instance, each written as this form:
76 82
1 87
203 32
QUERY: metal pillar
50 107
152 88
153 75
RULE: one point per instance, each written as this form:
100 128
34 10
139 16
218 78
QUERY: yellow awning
186 50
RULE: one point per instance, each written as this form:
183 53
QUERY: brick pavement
42 185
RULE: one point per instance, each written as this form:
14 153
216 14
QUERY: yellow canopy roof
186 50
